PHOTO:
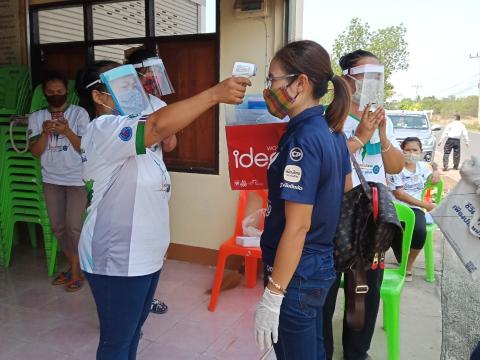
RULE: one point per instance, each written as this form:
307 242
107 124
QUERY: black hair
88 76
140 55
411 139
350 60
457 117
309 58
52 75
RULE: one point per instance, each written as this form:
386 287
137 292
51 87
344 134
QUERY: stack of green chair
21 197
15 91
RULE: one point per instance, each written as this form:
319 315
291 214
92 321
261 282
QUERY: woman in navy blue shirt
306 183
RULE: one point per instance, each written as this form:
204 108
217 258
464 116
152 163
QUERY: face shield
154 77
369 85
126 90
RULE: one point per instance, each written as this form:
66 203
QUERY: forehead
411 145
367 61
54 84
275 68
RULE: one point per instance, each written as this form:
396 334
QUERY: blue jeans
123 304
300 331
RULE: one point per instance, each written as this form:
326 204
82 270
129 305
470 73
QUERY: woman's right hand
48 127
369 123
231 90
430 206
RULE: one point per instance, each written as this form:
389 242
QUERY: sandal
74 285
408 276
158 307
63 278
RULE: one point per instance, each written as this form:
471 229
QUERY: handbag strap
356 290
361 177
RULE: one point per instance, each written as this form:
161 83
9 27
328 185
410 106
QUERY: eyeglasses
270 79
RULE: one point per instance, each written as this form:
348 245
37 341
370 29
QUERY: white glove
266 319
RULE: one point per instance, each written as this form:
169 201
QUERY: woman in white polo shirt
55 134
126 233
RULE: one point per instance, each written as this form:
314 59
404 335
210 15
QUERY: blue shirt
310 168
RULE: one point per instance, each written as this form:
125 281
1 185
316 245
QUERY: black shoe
158 307
445 169
455 168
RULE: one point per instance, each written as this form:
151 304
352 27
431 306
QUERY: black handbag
368 224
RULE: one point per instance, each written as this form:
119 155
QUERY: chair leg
250 271
391 307
429 251
32 233
217 282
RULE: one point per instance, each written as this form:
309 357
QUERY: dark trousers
449 145
419 235
355 343
123 304
476 353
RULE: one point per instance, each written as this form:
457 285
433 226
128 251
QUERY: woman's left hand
382 128
61 127
267 317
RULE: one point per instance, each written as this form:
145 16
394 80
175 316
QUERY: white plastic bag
458 216
252 225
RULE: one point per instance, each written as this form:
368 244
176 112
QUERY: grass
471 123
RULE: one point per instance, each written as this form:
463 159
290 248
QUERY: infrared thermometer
243 69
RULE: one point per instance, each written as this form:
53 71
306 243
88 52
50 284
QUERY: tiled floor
39 321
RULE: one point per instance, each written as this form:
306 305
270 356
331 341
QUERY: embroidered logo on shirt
126 133
296 154
292 173
376 169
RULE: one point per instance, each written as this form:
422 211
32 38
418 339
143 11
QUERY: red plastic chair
229 247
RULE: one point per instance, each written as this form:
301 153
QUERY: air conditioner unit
250 8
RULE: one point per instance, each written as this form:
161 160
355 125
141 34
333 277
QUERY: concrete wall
203 206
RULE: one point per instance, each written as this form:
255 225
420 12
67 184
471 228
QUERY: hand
382 127
435 177
369 123
439 143
267 316
169 143
430 206
231 90
61 127
48 127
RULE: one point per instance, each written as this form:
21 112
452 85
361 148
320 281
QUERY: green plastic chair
429 248
393 282
14 89
39 102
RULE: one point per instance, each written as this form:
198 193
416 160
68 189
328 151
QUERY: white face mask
412 158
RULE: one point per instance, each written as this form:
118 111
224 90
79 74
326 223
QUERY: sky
441 35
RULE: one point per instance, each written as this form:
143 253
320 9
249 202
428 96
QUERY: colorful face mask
56 100
278 101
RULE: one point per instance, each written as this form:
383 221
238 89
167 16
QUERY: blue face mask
131 101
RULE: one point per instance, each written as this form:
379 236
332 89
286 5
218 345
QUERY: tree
388 44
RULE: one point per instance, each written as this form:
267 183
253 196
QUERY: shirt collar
308 113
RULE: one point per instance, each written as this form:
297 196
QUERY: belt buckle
361 289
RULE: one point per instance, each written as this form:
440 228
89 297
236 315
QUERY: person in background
453 132
312 169
126 233
407 187
55 134
137 58
375 158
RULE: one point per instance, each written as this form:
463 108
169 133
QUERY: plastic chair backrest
39 101
242 207
14 86
438 187
407 216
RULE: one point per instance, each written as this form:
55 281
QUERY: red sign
251 149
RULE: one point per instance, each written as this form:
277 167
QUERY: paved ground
460 294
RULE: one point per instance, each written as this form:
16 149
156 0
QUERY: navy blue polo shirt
310 168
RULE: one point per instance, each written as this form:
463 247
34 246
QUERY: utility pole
477 57
416 91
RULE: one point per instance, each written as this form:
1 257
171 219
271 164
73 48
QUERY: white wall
203 207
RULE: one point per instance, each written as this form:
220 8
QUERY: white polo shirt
127 230
61 163
369 157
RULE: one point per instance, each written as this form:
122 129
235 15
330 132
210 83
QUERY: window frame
150 41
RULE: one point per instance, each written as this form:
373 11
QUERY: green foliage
388 44
466 106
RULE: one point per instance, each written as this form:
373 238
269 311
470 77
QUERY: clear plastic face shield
126 90
154 77
369 85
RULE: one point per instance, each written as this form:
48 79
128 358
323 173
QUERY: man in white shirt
453 132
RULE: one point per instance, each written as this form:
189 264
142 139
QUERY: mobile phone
57 115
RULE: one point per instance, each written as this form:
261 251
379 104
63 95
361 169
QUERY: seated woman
55 134
407 187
